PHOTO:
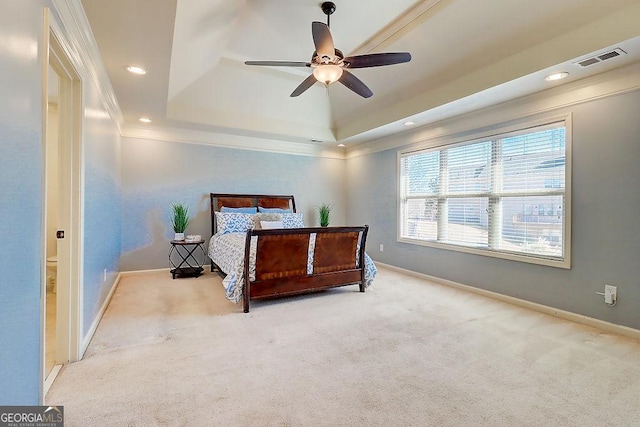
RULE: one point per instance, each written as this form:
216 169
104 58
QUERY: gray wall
156 174
605 237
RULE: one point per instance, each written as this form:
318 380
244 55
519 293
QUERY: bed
260 245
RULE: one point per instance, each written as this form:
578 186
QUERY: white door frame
70 166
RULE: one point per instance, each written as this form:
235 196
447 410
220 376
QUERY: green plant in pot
323 212
180 220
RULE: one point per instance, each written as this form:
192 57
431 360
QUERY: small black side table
187 262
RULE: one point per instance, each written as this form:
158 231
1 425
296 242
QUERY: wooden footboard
269 201
282 256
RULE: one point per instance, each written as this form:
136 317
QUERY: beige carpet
405 353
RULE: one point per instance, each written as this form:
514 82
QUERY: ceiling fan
329 64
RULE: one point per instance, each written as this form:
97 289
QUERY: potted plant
180 220
323 212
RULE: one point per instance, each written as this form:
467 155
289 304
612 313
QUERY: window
503 196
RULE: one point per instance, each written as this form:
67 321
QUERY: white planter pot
178 237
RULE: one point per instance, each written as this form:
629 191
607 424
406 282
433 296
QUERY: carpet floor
408 352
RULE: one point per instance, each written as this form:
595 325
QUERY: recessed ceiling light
409 123
144 120
136 70
556 76
341 145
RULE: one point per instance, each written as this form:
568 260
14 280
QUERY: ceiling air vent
599 58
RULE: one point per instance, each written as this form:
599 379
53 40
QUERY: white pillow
270 225
264 217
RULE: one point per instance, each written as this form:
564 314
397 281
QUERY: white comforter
227 252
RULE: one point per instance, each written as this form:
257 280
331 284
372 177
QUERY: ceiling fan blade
376 59
279 63
355 84
306 84
323 40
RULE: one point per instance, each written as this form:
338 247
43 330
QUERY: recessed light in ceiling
409 123
136 70
144 120
342 145
556 76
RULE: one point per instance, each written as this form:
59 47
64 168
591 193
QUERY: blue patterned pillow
239 210
233 222
292 220
273 210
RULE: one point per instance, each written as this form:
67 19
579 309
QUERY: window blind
501 194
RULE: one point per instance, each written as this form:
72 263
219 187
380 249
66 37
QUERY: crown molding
392 31
238 142
84 53
616 82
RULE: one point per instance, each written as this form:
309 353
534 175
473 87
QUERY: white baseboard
566 315
135 272
96 321
51 378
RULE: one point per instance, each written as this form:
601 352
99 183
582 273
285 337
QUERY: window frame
500 131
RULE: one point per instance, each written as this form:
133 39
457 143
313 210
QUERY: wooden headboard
271 201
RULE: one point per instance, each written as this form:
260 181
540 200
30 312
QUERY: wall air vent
599 58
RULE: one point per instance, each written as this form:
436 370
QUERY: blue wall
21 199
102 212
156 174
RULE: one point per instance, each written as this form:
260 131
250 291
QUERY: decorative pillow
273 210
265 217
270 225
292 220
249 210
232 222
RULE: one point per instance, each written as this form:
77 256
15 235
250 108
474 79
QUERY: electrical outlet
610 294
381 247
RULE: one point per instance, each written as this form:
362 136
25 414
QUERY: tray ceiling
466 54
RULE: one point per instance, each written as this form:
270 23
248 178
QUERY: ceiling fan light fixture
330 65
327 73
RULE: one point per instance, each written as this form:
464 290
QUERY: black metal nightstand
184 257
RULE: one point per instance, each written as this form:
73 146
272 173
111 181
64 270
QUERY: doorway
51 226
62 209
